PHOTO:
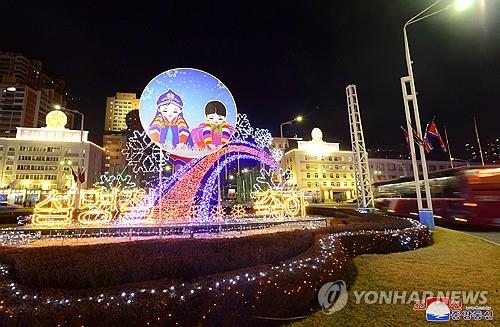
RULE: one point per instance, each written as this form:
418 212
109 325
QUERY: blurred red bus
464 195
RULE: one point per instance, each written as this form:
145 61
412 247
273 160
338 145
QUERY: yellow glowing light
299 118
279 203
56 119
98 207
56 209
461 5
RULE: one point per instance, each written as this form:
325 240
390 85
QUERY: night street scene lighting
250 164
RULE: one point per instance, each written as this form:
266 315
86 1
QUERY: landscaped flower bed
249 296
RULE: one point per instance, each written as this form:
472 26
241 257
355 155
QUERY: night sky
279 59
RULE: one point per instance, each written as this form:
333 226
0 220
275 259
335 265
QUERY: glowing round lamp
56 119
461 5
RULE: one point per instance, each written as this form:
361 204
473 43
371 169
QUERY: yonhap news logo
333 296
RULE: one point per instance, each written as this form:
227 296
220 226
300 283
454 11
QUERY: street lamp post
426 214
80 157
10 89
296 119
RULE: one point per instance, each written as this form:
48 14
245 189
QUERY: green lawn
454 262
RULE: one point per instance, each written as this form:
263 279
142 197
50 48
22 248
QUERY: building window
337 175
308 175
308 184
316 175
330 158
324 175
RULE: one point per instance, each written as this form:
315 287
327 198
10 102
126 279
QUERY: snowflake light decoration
115 181
143 155
262 138
243 128
218 213
193 212
277 154
238 211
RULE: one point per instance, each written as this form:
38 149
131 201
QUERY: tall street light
80 157
426 214
296 119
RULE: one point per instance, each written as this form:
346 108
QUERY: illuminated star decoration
143 155
262 138
243 129
119 181
238 211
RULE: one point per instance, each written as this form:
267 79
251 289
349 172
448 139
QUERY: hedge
104 265
279 293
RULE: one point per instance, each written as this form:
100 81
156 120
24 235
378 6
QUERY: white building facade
41 159
326 174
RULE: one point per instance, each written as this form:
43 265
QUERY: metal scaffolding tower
360 156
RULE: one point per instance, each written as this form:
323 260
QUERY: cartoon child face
170 111
216 119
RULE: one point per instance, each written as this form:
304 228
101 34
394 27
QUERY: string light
263 138
118 181
143 155
243 129
327 257
238 211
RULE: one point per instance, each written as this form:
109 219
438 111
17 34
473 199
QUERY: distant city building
38 160
326 174
117 108
27 94
491 152
321 169
399 151
280 143
114 160
384 169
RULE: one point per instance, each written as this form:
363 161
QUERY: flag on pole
417 138
75 176
427 144
81 175
406 137
433 131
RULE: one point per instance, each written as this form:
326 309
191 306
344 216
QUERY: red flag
433 131
417 138
406 137
81 176
75 177
427 144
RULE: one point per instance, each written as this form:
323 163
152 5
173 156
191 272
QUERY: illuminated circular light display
188 112
56 119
